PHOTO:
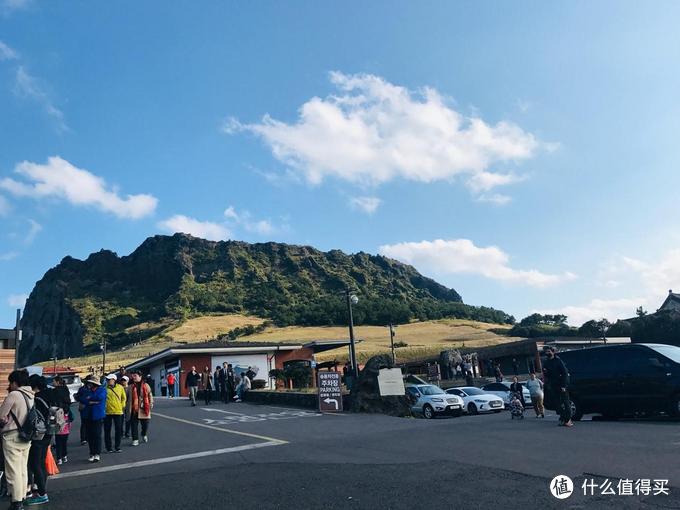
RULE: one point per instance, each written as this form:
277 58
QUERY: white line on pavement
213 410
228 431
165 460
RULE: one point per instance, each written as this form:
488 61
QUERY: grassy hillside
422 338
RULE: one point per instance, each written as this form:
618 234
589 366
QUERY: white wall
241 362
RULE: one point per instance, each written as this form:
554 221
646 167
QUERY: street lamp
352 299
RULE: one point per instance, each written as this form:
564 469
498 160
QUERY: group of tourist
33 417
223 383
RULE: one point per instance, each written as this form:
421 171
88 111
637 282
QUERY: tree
640 312
603 326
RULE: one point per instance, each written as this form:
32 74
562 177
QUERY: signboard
433 373
330 392
391 382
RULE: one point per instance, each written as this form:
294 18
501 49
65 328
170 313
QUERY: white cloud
372 132
244 219
26 85
9 255
33 231
7 53
5 206
203 229
494 198
7 6
17 300
462 256
60 179
366 204
611 309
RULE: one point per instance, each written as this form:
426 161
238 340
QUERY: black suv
618 380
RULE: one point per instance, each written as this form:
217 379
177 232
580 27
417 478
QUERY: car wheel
576 410
674 408
472 409
428 412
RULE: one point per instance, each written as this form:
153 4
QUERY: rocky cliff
78 303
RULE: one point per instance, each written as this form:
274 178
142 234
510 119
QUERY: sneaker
145 439
118 450
65 459
90 458
97 458
83 443
569 424
109 451
135 443
59 462
37 500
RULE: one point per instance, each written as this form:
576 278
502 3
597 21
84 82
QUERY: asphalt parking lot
250 455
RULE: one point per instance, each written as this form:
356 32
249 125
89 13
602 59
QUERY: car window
473 391
431 390
455 391
670 351
413 391
495 387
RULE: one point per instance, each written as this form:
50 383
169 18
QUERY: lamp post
103 346
17 339
392 333
352 299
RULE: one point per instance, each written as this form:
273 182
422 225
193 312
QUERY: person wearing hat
93 400
115 407
141 403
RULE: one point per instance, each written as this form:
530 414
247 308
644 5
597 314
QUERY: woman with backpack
44 400
93 401
13 414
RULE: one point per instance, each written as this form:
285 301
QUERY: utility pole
352 299
103 355
17 339
392 333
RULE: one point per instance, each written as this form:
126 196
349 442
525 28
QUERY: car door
644 380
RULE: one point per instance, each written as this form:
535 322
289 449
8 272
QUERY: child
61 440
516 407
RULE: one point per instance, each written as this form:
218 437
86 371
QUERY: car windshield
431 390
670 351
473 391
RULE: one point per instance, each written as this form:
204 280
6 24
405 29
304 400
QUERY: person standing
230 383
115 409
517 387
497 373
81 409
61 437
191 382
556 378
224 383
171 385
207 383
141 403
94 410
125 383
44 398
216 383
13 412
164 386
535 387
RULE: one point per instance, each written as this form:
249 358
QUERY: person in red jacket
171 385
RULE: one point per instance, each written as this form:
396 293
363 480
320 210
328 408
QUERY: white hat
125 378
113 377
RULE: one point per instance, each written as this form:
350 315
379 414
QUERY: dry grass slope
423 338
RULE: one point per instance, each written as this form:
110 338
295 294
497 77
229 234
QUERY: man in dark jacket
556 380
231 382
191 383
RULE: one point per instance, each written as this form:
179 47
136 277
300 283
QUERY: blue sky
524 154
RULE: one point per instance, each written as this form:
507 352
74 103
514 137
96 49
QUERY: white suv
432 400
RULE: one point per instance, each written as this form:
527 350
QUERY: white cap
125 378
113 377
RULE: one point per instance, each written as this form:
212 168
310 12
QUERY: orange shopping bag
51 466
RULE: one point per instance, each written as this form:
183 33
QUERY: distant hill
169 279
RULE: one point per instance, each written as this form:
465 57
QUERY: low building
524 356
259 356
672 302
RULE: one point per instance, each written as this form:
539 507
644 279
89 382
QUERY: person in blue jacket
93 403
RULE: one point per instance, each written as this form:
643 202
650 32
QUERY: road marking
166 460
228 431
212 410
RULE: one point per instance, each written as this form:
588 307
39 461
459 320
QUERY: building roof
234 347
672 296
